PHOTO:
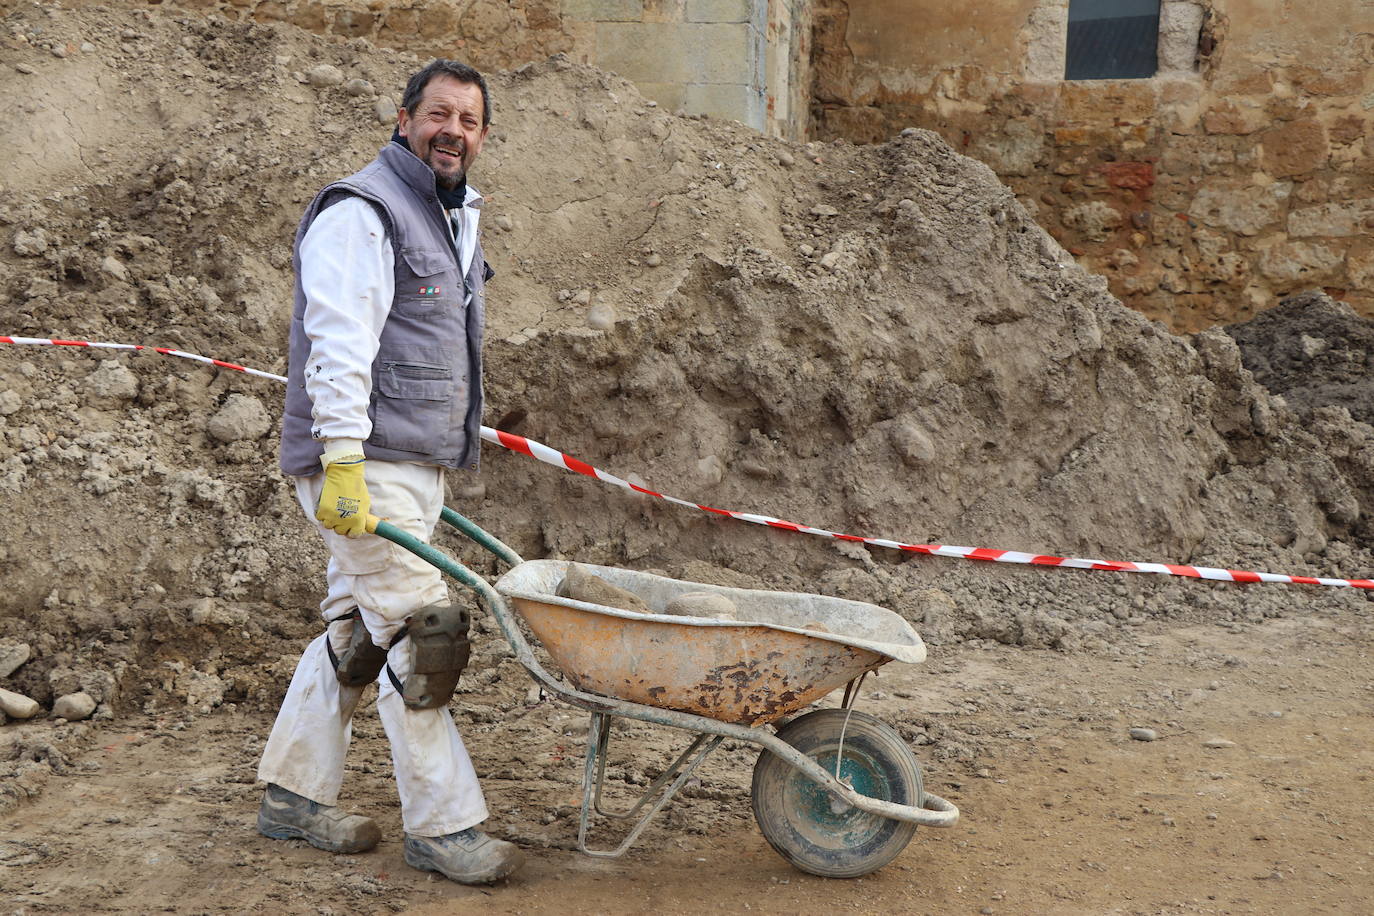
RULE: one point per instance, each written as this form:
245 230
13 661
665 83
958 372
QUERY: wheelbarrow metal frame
933 812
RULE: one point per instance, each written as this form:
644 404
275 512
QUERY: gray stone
1306 262
358 87
582 585
12 656
24 68
16 705
115 268
1044 42
1218 743
1143 734
654 259
98 684
1013 150
601 317
604 10
1312 346
324 76
10 402
1180 26
912 443
385 109
74 707
241 418
720 10
209 612
112 382
1242 209
702 604
1341 219
504 222
582 297
30 243
785 158
1094 219
711 469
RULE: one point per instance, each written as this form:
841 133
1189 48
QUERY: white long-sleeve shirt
348 276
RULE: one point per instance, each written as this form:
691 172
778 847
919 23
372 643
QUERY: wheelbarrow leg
650 792
593 777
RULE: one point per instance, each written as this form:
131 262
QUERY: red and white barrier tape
165 351
558 459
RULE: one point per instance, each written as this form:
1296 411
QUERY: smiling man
385 392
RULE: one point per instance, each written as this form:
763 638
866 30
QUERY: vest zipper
418 371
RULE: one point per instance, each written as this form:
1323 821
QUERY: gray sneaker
284 815
468 856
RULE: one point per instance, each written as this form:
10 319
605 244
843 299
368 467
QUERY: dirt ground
1062 812
877 340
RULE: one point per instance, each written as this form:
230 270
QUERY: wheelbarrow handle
472 530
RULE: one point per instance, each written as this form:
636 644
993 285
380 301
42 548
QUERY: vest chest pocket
412 406
427 283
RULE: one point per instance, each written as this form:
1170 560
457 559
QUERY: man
384 392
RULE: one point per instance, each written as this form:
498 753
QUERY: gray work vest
426 401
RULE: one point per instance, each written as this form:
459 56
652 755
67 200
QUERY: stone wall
1241 172
747 60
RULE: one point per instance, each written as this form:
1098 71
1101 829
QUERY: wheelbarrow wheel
814 830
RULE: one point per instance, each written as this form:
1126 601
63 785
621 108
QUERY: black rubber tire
795 814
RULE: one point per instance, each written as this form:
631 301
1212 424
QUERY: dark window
1112 39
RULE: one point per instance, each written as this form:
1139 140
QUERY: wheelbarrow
835 791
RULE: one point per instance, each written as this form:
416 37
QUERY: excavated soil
876 340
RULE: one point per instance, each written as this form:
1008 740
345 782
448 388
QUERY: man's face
445 130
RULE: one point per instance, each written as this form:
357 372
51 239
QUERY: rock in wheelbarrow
580 585
702 604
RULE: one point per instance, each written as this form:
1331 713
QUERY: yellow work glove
344 502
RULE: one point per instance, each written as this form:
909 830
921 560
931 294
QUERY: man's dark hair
441 67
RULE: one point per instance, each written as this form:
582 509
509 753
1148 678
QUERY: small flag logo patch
429 291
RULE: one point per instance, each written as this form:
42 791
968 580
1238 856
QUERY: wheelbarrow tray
752 671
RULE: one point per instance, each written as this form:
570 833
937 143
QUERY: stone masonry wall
1241 172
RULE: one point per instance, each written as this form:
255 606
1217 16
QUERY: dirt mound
876 340
1314 351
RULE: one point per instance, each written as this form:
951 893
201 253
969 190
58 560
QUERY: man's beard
450 195
450 180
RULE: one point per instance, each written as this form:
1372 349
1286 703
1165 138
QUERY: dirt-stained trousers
305 752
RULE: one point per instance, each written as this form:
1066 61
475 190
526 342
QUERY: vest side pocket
413 400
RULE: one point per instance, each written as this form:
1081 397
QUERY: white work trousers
305 753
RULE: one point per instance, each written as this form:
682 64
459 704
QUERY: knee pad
360 663
439 651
